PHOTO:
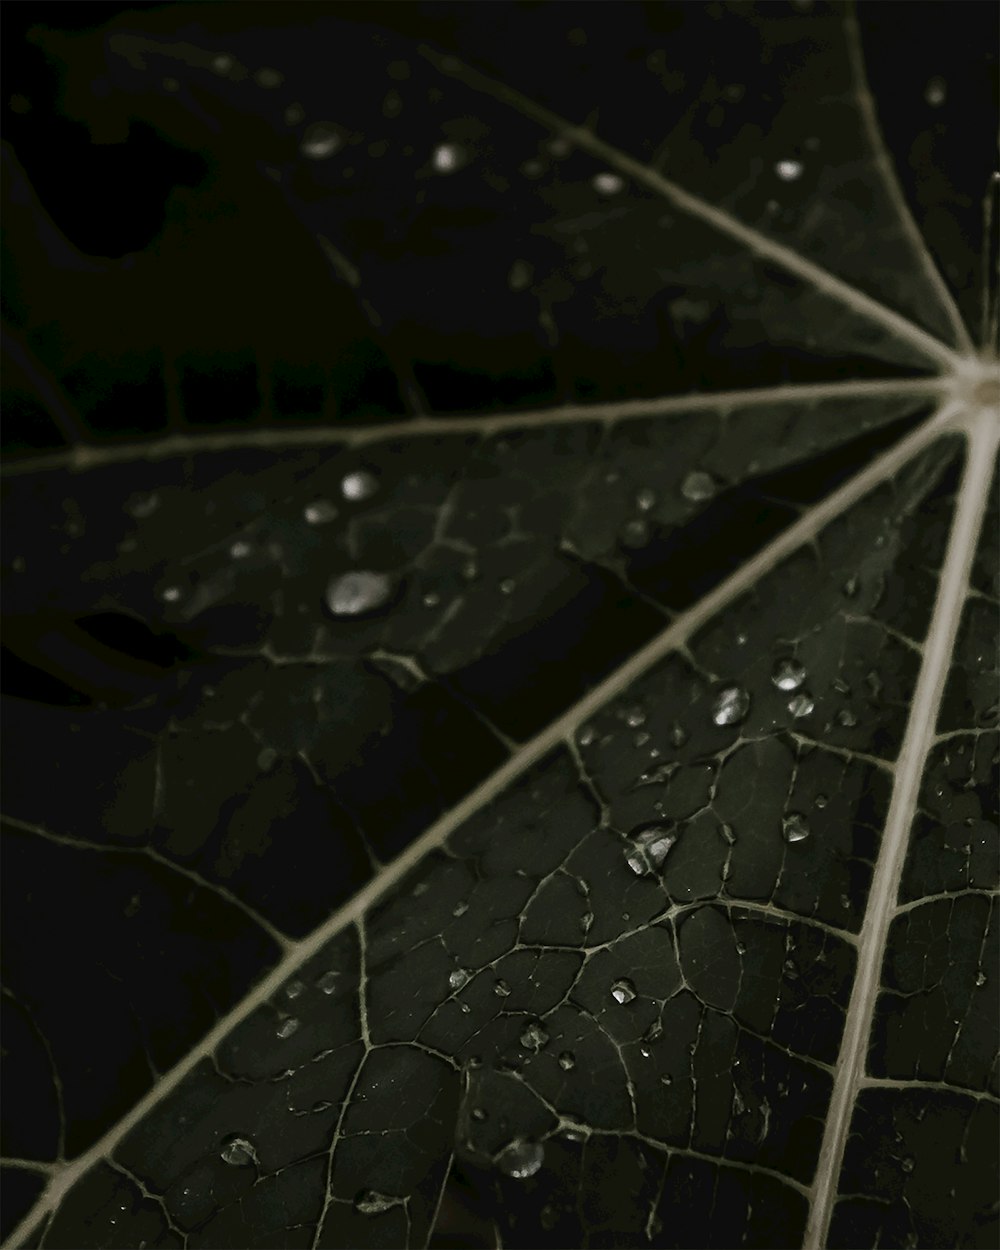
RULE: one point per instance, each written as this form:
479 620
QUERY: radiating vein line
79 459
818 277
972 501
897 199
802 532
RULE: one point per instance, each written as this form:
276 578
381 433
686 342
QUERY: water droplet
635 533
448 157
650 846
371 1202
293 989
460 909
358 484
223 63
666 1079
238 1151
623 991
840 686
170 594
534 1037
821 801
327 982
586 922
458 978
319 512
143 505
727 834
431 599
267 77
635 716
936 92
677 735
585 736
846 718
788 170
645 1050
795 827
321 140
479 1114
521 1158
698 486
645 499
358 592
520 275
788 674
730 706
240 550
608 183
501 989
907 1165
980 978
801 704
567 1061
507 586
266 758
850 588
287 1027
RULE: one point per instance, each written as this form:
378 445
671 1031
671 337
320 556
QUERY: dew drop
170 594
645 499
371 1202
677 735
520 275
635 533
460 909
501 989
666 1079
650 845
448 157
143 505
321 140
801 704
907 1165
788 674
238 1151
293 989
222 63
358 593
585 736
327 982
319 512
727 834
240 550
846 718
287 1027
850 588
358 484
534 1037
645 1050
936 92
821 801
698 486
266 758
507 586
789 170
635 716
608 183
623 991
521 1158
795 827
479 1114
980 979
268 78
458 978
567 1061
730 706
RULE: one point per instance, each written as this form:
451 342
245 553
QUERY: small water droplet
698 486
501 989
431 599
788 170
371 1202
460 909
321 140
795 827
840 686
650 845
268 78
266 758
645 1050
936 91
586 922
170 594
907 1165
327 982
293 989
458 978
635 533
319 512
850 588
507 586
645 499
521 1158
240 550
586 735
479 1114
821 801
730 706
846 718
635 716
666 1079
358 484
623 991
788 674
287 1027
143 505
520 275
801 704
980 978
448 157
567 1061
741 948
608 183
727 834
534 1037
358 592
222 63
238 1151
677 735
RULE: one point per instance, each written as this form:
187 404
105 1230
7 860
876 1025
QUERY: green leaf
500 572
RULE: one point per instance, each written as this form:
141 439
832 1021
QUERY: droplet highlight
698 486
650 846
358 593
801 704
730 706
623 991
534 1037
238 1152
521 1158
788 674
794 827
371 1202
320 141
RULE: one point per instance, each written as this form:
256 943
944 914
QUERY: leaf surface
500 627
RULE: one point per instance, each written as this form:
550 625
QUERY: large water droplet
534 1037
698 486
788 674
650 846
320 141
801 704
730 706
795 827
358 592
521 1158
238 1151
358 484
623 991
371 1202
319 512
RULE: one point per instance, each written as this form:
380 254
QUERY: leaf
501 586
